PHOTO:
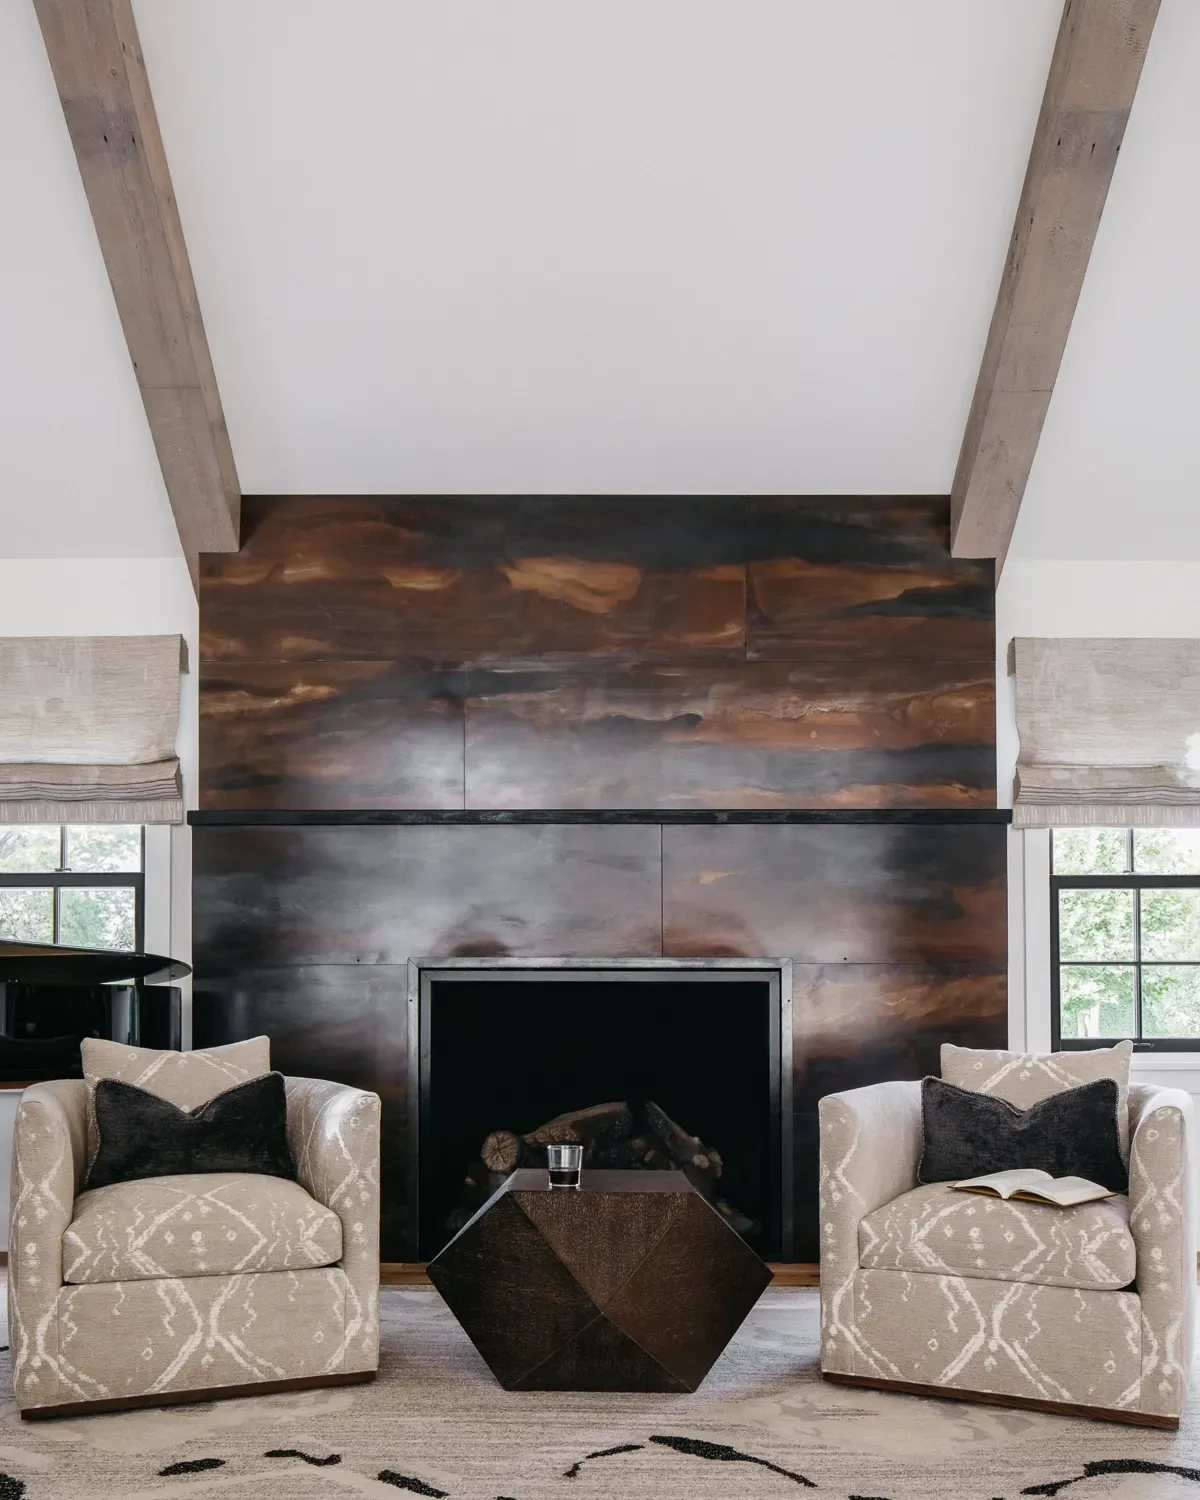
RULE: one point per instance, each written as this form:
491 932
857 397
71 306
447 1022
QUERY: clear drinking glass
565 1163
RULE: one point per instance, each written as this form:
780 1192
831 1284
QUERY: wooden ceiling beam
102 83
1093 77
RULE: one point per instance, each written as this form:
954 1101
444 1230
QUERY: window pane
1090 851
1095 924
104 848
28 849
27 915
100 917
1170 1002
1096 1000
1167 851
1171 924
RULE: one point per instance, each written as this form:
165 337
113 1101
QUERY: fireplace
504 1046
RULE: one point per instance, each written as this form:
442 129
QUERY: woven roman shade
87 729
1110 732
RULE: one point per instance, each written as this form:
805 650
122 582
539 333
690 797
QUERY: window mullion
55 890
1137 958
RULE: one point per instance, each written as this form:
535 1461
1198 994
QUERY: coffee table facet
633 1283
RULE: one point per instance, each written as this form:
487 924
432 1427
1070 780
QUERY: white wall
1059 598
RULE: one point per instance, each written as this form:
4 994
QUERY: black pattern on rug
1113 1466
573 1471
317 1463
694 1448
10 1488
407 1482
723 1454
15 1489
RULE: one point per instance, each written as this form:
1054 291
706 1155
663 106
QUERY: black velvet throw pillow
242 1130
1070 1134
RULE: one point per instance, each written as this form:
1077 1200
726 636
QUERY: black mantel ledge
353 817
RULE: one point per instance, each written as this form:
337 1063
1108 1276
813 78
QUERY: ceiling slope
78 472
698 246
1094 75
109 109
1117 472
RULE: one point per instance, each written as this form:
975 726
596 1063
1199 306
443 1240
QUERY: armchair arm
1161 1219
49 1161
870 1149
333 1132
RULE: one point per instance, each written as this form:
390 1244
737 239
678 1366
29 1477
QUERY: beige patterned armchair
185 1288
927 1290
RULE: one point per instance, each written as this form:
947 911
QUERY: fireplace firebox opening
655 1063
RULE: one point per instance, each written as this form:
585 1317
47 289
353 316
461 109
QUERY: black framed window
81 885
1125 937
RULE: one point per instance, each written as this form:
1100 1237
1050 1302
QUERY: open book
1036 1186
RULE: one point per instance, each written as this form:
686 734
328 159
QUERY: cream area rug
764 1426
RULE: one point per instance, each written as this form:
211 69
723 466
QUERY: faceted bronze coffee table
632 1283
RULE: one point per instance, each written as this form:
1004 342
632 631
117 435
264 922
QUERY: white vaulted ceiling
626 246
1117 471
78 473
684 245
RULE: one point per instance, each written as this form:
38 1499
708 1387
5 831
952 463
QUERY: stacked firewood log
621 1134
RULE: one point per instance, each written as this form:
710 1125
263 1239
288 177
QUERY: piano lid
44 963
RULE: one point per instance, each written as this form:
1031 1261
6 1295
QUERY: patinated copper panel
881 894
744 735
364 734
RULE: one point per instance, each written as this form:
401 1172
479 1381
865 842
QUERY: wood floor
412 1273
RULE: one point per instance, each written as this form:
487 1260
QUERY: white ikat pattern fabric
975 1327
144 1335
187 1079
202 1224
935 1228
1026 1078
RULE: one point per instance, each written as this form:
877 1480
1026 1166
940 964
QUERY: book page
1005 1184
1064 1192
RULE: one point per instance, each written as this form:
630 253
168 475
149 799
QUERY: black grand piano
51 998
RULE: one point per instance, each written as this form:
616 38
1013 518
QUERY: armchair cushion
1026 1078
185 1078
1070 1134
205 1224
936 1229
242 1130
